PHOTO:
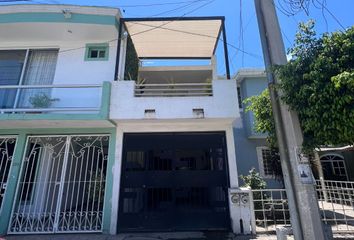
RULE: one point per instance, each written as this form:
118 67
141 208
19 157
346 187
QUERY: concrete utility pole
304 211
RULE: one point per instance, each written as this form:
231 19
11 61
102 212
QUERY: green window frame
97 52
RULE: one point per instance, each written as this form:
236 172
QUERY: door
173 181
62 183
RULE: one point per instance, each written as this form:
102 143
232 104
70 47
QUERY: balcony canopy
173 38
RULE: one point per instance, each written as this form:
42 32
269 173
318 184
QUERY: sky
241 22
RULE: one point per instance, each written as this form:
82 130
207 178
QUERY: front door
174 181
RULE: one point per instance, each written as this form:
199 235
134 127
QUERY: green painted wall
58 17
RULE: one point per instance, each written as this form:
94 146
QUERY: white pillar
241 211
231 155
117 167
122 57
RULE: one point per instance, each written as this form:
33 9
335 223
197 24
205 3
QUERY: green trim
12 183
107 206
105 100
55 131
58 18
96 46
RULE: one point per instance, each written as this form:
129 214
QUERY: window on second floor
96 52
25 67
239 98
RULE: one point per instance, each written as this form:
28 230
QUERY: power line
334 17
144 31
178 8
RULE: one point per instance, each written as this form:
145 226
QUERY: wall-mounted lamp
67 13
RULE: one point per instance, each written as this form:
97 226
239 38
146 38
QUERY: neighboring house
251 147
84 150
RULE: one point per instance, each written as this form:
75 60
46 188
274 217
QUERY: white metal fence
335 199
62 183
173 90
7 148
64 98
271 209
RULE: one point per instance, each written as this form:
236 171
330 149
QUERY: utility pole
303 205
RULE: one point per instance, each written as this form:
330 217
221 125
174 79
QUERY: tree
318 83
264 123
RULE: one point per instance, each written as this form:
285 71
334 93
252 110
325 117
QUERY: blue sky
338 11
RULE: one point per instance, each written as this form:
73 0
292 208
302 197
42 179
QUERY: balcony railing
173 90
58 98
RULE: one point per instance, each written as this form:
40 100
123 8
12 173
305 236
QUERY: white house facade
89 145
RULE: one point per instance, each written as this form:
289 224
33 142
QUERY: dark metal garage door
174 181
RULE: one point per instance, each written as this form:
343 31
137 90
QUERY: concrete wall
223 103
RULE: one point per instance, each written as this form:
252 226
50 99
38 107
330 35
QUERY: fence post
240 201
324 190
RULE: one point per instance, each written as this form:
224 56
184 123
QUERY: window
25 67
265 162
96 52
333 166
239 97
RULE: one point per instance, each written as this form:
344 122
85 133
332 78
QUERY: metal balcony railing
57 98
173 90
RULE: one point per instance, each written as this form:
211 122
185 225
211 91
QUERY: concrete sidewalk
143 236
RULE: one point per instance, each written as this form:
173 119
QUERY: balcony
173 67
46 105
215 100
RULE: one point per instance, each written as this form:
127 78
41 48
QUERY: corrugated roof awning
189 37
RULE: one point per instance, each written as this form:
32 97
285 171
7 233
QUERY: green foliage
131 62
253 180
42 100
318 83
262 109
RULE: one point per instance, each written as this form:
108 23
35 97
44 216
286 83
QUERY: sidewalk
143 236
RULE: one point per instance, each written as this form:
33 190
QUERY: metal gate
62 183
174 182
7 148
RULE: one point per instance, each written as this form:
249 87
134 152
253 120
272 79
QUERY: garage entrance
174 181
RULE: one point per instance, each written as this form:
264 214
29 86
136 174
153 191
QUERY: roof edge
249 73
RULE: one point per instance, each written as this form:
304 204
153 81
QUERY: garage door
174 181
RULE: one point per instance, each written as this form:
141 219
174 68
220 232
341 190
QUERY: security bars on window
61 188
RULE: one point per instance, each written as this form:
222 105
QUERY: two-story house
337 164
94 140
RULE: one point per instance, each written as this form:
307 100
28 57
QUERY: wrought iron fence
7 148
335 200
61 188
173 90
